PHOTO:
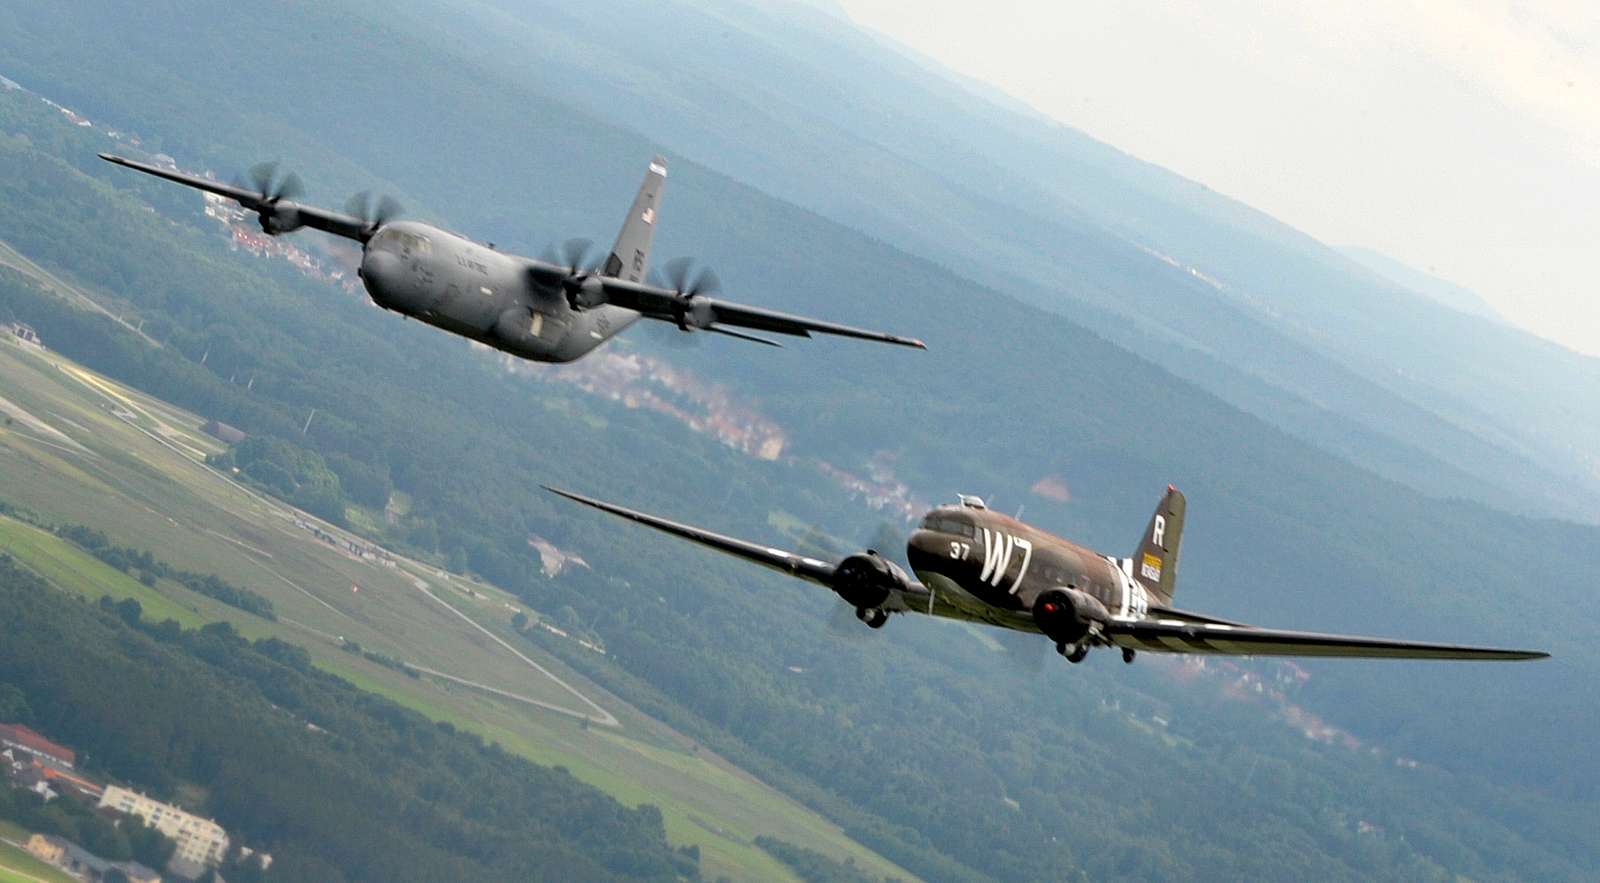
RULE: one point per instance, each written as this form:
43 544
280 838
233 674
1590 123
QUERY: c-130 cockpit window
945 524
401 242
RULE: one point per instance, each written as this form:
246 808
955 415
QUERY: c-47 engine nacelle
1066 615
865 581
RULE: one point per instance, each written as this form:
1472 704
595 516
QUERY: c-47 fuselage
978 565
988 564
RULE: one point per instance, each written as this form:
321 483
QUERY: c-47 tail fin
630 257
1156 562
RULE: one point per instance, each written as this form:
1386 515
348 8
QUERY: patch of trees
814 867
288 471
374 791
382 659
148 568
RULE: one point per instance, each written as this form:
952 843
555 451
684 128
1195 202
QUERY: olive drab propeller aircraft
555 309
975 564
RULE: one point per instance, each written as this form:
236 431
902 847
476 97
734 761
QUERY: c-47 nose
922 551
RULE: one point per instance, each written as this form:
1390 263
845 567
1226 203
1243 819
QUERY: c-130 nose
380 272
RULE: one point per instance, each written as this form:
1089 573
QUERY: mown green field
131 466
17 866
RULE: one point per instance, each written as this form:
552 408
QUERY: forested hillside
923 742
1253 311
360 789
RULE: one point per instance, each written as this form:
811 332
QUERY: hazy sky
1459 136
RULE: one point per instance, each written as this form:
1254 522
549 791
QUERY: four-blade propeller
373 214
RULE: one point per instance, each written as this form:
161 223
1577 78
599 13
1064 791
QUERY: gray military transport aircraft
553 310
978 565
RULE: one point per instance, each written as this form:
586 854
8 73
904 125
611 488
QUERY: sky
1461 137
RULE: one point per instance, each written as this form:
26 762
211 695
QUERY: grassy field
96 453
17 866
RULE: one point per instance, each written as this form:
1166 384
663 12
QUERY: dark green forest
923 744
338 784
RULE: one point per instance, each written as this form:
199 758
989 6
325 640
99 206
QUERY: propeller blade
290 187
575 253
706 282
677 273
262 176
842 623
389 208
888 540
1027 653
359 205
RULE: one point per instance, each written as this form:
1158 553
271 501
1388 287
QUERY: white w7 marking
997 549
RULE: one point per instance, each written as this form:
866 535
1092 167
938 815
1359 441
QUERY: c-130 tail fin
630 257
1156 562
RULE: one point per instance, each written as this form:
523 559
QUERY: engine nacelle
865 581
275 220
585 293
1066 615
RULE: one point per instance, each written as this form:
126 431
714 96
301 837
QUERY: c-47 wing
810 569
278 215
694 311
1181 636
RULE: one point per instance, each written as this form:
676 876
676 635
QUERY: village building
20 738
223 432
202 843
23 333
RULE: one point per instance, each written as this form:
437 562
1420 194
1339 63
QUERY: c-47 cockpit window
943 524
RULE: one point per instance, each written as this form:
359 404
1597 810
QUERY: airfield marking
240 543
10 257
88 380
307 592
608 720
606 717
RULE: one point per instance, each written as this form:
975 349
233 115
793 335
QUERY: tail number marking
997 550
